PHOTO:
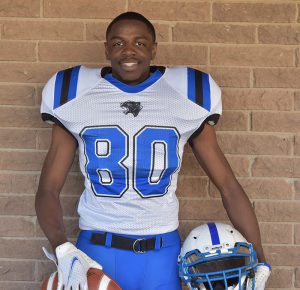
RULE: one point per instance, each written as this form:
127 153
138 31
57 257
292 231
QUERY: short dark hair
130 15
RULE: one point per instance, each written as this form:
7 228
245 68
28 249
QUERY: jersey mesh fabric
148 147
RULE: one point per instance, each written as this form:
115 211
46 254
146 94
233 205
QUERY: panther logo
131 107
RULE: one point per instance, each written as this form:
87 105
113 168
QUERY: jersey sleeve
63 87
204 91
47 104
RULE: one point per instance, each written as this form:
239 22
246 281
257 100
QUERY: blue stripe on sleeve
215 239
206 91
191 84
57 89
73 83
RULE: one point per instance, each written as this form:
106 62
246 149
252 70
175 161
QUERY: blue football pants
154 270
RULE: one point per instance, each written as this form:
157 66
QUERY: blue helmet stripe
215 239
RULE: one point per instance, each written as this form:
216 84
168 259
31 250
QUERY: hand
262 274
72 267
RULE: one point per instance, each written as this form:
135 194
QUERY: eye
118 44
139 44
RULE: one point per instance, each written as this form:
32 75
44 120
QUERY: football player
130 122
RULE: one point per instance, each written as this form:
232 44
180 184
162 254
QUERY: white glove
72 266
262 274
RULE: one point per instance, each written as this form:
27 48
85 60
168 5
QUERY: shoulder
66 84
198 86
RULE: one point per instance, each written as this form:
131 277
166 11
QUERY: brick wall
252 50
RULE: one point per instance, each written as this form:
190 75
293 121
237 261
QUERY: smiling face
130 48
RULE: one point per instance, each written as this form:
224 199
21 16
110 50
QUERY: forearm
50 217
242 216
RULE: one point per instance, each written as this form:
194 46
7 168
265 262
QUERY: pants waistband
135 243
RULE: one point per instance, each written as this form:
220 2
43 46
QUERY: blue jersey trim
191 84
73 83
57 89
206 91
215 239
137 88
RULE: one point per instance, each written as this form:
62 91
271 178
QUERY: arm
55 169
235 201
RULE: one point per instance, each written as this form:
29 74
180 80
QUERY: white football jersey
130 141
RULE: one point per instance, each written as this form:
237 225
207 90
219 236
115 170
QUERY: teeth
129 63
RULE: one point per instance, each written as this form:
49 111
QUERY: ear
106 51
154 50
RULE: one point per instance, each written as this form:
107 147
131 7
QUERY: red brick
297 189
254 12
15 50
256 144
297 278
20 8
172 10
281 278
273 167
232 77
263 188
71 227
44 269
257 99
44 138
283 255
192 187
14 205
201 209
297 234
181 54
297 101
276 78
20 285
17 95
296 167
276 121
29 73
74 185
17 270
276 233
17 183
43 30
240 165
213 33
234 121
69 205
21 117
28 161
22 248
190 166
283 211
252 56
279 34
14 138
70 51
17 226
88 9
97 30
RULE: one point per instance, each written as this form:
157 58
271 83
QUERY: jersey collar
157 73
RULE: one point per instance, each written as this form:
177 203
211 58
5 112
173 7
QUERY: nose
129 50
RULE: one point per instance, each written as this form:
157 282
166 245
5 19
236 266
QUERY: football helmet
215 256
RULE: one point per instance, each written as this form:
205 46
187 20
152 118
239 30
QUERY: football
97 280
